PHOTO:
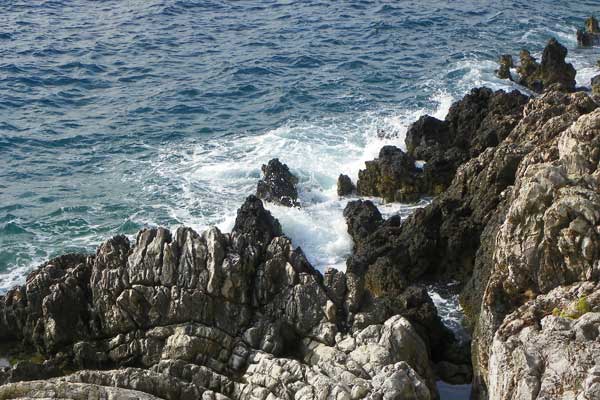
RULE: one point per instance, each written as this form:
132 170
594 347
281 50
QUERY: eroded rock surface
210 315
278 184
482 119
549 347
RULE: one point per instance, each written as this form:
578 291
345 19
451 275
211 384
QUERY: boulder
278 184
591 35
392 176
345 187
362 218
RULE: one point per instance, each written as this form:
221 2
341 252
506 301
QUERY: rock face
185 315
519 220
553 71
543 350
596 85
591 35
480 120
278 184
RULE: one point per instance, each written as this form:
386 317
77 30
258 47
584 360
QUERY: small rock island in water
514 225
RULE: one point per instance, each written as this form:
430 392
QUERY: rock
596 85
591 35
392 176
278 184
506 63
426 137
497 227
255 223
553 70
209 315
543 353
362 218
482 119
345 187
548 213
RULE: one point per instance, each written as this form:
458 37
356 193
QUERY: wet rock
345 187
427 137
392 176
482 119
552 71
278 184
506 63
362 218
591 35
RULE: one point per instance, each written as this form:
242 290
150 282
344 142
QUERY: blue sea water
115 115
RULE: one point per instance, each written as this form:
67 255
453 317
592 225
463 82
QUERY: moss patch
574 310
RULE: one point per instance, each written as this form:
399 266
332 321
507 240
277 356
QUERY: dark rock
392 176
506 63
427 137
482 119
345 187
278 184
256 223
363 218
591 35
553 70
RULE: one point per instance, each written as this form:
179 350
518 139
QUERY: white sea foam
214 178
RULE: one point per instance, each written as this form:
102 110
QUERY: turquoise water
117 115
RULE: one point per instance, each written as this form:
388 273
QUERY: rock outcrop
214 315
278 184
345 187
244 315
591 35
519 220
482 119
553 72
548 348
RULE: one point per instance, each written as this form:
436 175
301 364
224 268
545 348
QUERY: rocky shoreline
244 315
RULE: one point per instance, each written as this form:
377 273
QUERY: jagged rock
506 63
210 315
392 176
278 184
345 187
537 353
544 237
426 137
362 218
591 35
482 119
552 71
466 225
